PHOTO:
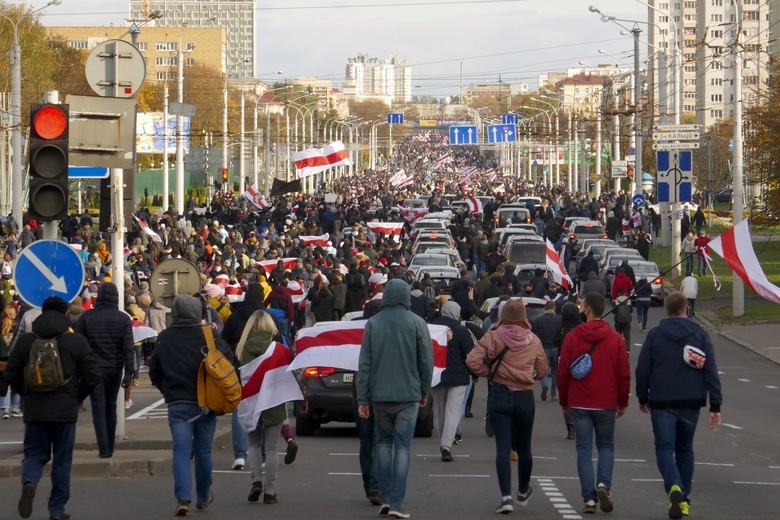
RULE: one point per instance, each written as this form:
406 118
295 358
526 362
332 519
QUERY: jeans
193 435
41 440
689 262
14 398
673 431
477 264
625 330
394 425
642 312
137 361
239 438
365 430
586 422
467 399
448 410
550 379
701 266
103 400
512 416
269 437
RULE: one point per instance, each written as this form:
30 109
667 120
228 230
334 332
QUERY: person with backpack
623 313
419 302
69 371
174 370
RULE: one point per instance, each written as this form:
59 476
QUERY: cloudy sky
516 39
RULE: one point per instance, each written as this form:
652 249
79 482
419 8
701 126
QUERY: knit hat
55 303
512 312
213 290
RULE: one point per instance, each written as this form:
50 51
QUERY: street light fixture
225 114
17 183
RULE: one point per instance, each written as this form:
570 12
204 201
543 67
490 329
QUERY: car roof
513 239
438 271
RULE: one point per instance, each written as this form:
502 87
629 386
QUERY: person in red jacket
596 400
702 247
622 281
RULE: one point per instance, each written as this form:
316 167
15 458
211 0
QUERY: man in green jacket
395 371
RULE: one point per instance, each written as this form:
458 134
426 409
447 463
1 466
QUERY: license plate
348 378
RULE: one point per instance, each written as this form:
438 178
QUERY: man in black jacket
110 334
548 329
50 417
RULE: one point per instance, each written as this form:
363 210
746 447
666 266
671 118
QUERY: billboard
149 133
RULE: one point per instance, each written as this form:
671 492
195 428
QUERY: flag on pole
400 174
736 248
475 205
412 214
406 181
316 160
444 159
265 383
556 267
490 175
337 345
256 198
149 232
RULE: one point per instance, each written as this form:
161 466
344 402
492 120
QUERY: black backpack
623 313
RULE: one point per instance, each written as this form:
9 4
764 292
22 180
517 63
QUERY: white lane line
230 471
770 387
458 476
721 373
714 464
557 499
744 380
647 479
732 426
758 483
628 460
548 478
149 408
346 474
343 454
571 517
12 442
437 455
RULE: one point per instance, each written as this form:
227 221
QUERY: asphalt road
737 467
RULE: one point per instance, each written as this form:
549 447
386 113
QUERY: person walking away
515 361
690 288
596 400
50 417
174 371
450 394
395 371
570 312
689 250
675 374
110 334
643 293
623 317
702 248
547 328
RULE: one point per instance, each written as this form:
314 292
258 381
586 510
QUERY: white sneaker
128 404
17 414
6 415
238 464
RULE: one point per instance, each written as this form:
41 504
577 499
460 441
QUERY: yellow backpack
219 387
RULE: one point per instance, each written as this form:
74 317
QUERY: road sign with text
687 145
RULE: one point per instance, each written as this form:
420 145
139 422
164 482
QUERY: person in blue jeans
174 371
643 292
595 400
675 374
394 376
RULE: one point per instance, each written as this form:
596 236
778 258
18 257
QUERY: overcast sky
516 39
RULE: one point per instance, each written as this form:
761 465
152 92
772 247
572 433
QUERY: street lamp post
225 115
17 182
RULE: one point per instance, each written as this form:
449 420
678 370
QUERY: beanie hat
55 303
512 312
213 290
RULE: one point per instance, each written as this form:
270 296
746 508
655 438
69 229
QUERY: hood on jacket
593 276
396 292
451 310
516 337
108 296
593 331
677 329
50 324
187 310
416 293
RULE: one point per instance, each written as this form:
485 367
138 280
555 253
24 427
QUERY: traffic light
48 161
225 174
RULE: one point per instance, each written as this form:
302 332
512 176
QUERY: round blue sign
638 200
48 268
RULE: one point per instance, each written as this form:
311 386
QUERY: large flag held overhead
319 240
256 198
280 187
265 383
736 248
337 344
475 205
406 181
149 232
387 228
444 159
316 160
412 214
270 265
556 267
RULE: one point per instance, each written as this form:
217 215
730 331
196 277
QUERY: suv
524 251
580 230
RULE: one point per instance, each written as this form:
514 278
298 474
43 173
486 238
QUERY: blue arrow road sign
638 200
395 118
502 133
48 268
510 119
675 176
87 172
463 134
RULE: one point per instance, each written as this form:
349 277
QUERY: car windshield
533 312
525 275
429 260
527 253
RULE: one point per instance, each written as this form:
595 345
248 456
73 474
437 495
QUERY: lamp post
17 182
738 290
557 163
549 121
225 115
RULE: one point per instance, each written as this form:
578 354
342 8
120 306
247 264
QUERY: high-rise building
774 29
390 77
236 16
706 31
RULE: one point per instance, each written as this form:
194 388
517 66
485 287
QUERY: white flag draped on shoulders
265 383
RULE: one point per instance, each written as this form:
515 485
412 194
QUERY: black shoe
468 414
522 499
270 499
590 507
446 456
374 497
571 435
63 516
506 507
26 500
256 491
458 438
605 498
545 389
292 451
488 427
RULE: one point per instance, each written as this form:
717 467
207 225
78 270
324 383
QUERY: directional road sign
687 145
638 200
619 169
510 119
463 134
48 268
395 118
675 176
677 136
678 128
502 133
87 172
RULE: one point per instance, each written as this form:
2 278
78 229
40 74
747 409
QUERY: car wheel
424 426
304 427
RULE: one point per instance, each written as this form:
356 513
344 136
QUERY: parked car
724 196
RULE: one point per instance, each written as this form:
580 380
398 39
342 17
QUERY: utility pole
738 290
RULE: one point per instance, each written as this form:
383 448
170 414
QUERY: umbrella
142 333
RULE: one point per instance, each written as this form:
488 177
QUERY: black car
724 196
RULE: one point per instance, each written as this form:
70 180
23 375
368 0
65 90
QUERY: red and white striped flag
270 265
387 228
412 214
500 189
408 180
319 240
444 159
490 175
400 174
296 291
337 345
315 160
265 383
475 205
736 248
256 198
556 267
149 232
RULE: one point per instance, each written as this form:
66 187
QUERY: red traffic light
50 122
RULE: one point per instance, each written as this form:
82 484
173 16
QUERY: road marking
438 455
721 373
732 426
714 464
346 474
628 460
343 454
545 458
771 387
744 380
546 478
459 476
557 499
12 442
758 483
774 467
647 479
149 408
231 471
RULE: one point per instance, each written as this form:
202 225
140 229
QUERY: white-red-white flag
319 240
397 176
315 160
337 345
149 232
393 229
500 189
406 181
270 265
490 175
475 205
444 159
556 267
412 214
296 291
736 248
265 383
256 198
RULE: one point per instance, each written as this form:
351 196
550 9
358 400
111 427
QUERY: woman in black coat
322 304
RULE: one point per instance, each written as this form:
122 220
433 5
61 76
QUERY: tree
762 150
